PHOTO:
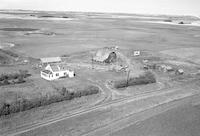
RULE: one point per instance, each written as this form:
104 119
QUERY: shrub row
10 53
146 78
14 78
61 94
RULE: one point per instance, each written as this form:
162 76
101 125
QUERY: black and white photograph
99 68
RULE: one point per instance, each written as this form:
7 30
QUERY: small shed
50 60
166 68
179 72
136 53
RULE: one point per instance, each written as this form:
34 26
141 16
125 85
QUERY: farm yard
122 65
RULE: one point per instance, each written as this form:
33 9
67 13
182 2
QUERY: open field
88 32
179 121
165 51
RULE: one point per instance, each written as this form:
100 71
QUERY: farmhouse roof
50 60
56 68
63 67
47 71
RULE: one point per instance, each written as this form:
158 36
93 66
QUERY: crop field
102 95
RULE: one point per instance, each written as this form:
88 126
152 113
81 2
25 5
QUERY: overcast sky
127 6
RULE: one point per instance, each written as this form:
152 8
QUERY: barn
105 56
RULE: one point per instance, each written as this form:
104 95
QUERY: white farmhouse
53 71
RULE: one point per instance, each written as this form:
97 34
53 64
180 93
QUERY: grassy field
27 36
86 32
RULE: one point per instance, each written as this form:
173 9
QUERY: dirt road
112 116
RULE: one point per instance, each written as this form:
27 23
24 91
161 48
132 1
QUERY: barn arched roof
102 54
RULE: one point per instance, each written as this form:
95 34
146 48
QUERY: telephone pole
128 75
92 62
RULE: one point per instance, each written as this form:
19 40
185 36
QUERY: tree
24 73
20 79
6 82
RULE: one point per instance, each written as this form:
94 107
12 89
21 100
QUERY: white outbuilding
136 53
50 60
54 71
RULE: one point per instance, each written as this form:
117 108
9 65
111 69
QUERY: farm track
130 120
28 127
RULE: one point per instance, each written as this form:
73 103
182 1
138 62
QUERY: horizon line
153 14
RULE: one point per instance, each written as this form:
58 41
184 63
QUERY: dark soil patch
167 20
18 29
48 16
65 17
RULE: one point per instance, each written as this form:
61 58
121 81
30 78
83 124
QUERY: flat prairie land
181 121
85 32
27 36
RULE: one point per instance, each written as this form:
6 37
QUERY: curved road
29 128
